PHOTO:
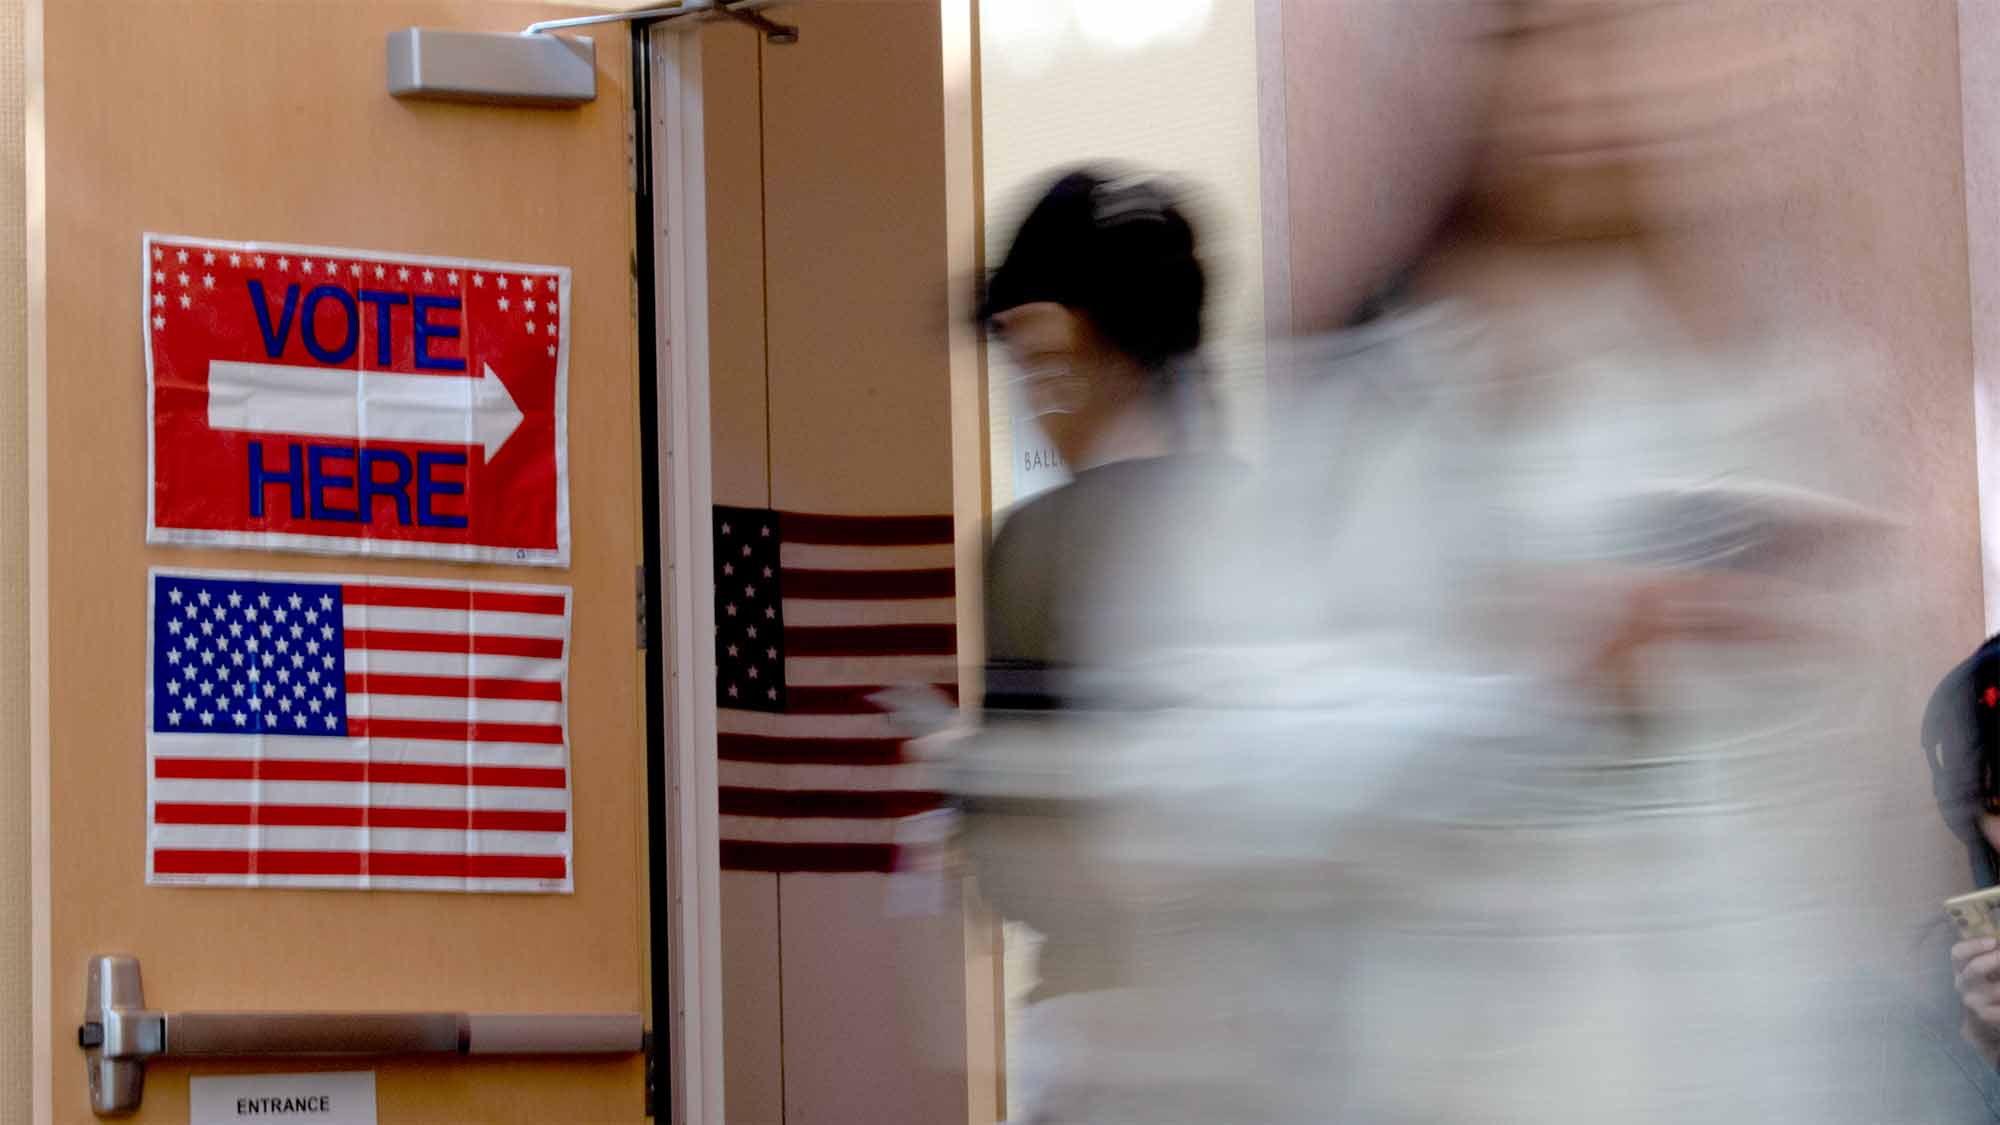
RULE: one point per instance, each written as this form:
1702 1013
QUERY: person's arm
1715 563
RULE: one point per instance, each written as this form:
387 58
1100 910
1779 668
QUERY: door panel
753 1000
830 392
256 120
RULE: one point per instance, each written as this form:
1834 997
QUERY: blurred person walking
1527 805
1625 903
1099 303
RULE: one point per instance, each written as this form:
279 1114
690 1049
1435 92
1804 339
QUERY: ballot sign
356 402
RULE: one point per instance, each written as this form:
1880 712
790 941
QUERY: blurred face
1989 826
1611 116
1074 380
1046 343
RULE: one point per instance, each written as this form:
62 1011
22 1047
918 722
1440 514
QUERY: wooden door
255 120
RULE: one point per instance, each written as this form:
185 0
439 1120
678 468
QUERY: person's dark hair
1960 736
1119 250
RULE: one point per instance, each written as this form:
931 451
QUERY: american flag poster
814 614
308 730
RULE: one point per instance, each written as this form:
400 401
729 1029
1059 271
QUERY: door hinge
631 150
646 1045
639 599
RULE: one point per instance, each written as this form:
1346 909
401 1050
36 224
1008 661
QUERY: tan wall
1870 255
1979 84
830 374
1887 253
1374 133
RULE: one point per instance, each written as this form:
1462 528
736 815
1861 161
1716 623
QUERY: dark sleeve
1021 572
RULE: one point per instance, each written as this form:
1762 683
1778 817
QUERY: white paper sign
342 1097
1037 465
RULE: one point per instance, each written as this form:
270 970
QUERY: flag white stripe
484 623
357 794
872 671
396 795
387 662
362 705
817 612
847 779
731 721
286 838
819 556
312 749
808 830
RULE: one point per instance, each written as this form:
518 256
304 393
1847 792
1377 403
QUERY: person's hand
938 747
1975 966
1631 610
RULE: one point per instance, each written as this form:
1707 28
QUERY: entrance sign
356 402
307 730
340 1097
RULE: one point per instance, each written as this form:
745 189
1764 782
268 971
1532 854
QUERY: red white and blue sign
356 402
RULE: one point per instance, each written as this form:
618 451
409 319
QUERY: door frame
670 187
40 941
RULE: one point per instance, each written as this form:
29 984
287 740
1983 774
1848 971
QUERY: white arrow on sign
275 398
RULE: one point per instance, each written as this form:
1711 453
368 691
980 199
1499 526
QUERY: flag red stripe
201 861
352 816
872 640
832 804
843 700
449 730
832 859
454 687
867 585
386 773
864 531
446 597
484 644
809 751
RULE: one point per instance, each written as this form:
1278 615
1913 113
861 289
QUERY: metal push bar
120 1034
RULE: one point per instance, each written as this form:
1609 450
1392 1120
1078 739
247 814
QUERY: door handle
119 1034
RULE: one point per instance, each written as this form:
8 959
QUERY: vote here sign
356 402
